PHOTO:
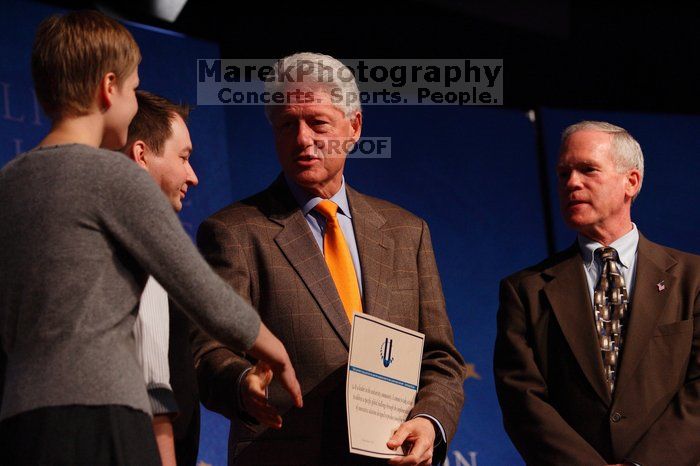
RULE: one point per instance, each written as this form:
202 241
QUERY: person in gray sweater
81 228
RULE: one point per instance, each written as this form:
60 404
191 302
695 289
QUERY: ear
138 152
633 182
356 123
108 87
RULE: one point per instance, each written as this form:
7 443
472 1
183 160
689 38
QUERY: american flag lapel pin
661 286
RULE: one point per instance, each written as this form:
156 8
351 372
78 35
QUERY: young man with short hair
159 142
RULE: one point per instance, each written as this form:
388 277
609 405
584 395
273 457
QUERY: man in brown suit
270 248
577 386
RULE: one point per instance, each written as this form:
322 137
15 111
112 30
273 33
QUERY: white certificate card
382 382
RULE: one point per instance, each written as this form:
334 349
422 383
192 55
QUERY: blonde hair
71 55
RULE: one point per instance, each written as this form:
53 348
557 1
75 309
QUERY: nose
192 179
304 135
570 181
574 181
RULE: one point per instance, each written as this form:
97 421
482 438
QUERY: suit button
616 417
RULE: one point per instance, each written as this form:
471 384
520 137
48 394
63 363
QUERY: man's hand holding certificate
382 381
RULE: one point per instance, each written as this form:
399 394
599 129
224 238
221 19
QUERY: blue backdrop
472 173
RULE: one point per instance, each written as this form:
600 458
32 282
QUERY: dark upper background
574 54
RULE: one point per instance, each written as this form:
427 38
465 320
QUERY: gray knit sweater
80 229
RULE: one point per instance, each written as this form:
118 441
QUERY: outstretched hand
254 396
268 349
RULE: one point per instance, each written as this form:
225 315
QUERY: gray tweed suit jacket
264 248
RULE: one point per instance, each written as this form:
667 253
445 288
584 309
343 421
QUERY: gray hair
626 152
319 69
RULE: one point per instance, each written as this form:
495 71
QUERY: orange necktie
339 260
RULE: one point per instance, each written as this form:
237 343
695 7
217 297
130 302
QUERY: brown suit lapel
647 305
301 250
376 250
567 292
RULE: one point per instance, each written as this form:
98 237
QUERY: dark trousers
183 379
79 435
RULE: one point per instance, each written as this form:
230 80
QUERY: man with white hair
307 252
597 357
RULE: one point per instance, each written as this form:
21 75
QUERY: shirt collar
307 202
626 247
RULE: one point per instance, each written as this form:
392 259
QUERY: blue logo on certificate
385 352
